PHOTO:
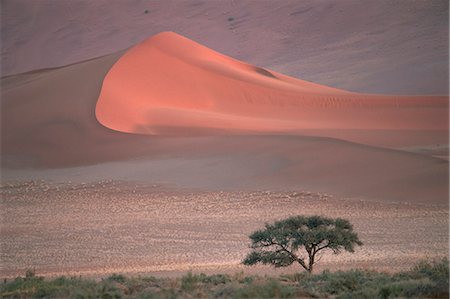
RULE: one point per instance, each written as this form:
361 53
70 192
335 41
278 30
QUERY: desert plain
96 230
161 157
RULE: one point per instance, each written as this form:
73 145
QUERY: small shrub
30 273
149 279
165 294
364 293
345 281
117 278
349 284
438 273
242 278
107 291
409 289
270 289
189 282
434 270
294 277
248 280
226 291
216 279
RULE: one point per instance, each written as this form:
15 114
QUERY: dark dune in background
393 47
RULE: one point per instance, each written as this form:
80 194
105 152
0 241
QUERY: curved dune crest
169 84
49 130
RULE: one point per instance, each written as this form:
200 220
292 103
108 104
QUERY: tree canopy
281 244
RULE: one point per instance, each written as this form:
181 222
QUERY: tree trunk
311 263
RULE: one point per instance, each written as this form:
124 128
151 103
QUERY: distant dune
383 46
179 114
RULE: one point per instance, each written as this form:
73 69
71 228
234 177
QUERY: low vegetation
425 280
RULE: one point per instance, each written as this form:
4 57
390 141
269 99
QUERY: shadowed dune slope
247 163
169 84
48 118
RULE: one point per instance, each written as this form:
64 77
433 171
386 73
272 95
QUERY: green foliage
269 289
189 282
426 280
278 244
261 288
217 279
36 287
106 291
409 289
438 273
117 277
433 270
30 273
342 283
423 281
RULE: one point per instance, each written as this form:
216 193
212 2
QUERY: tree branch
296 258
323 247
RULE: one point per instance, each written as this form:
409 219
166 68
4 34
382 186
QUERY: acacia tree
280 244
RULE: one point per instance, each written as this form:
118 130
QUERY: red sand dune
50 131
169 84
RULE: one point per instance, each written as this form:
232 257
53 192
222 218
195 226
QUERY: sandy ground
99 228
48 124
78 198
382 46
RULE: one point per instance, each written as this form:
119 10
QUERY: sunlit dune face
169 83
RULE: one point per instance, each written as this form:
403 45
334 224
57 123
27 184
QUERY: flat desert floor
109 227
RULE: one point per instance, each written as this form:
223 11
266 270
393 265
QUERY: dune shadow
264 72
